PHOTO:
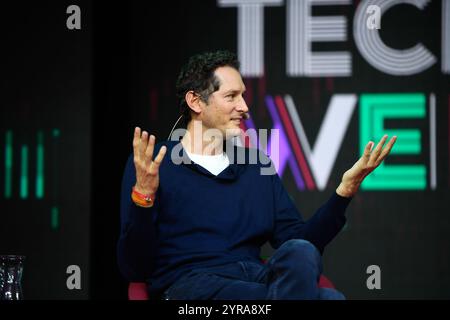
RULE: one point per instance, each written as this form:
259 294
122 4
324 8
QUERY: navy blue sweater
200 220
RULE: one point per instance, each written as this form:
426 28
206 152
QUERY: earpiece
173 128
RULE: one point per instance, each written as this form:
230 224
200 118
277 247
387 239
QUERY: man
193 222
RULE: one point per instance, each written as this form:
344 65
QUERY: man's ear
194 101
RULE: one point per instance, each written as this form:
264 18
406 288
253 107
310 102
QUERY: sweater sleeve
137 241
320 229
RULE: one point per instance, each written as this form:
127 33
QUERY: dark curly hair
198 75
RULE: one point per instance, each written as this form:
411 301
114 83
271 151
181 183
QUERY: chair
138 290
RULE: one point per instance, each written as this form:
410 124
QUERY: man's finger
149 150
159 158
143 144
136 139
367 150
376 153
386 150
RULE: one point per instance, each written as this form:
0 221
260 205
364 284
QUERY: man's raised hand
147 169
368 162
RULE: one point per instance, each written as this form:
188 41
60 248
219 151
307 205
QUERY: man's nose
242 105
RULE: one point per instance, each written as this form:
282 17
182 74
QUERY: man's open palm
368 162
147 169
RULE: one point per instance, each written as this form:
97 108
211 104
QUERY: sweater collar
178 156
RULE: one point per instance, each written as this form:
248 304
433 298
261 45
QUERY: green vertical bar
54 222
8 164
55 218
24 172
40 166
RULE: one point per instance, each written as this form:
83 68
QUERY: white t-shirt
214 164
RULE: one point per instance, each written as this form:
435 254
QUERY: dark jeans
291 273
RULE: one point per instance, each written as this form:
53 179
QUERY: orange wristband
142 200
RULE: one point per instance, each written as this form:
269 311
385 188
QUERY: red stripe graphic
295 143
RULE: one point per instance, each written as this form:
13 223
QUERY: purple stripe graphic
285 154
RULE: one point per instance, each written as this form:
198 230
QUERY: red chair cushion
138 290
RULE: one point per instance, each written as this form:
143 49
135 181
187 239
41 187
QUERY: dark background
46 85
96 84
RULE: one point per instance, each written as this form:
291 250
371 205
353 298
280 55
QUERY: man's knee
300 248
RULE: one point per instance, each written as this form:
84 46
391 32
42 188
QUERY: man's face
226 106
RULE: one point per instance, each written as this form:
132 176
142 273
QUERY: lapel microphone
174 126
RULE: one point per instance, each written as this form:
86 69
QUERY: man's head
210 90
